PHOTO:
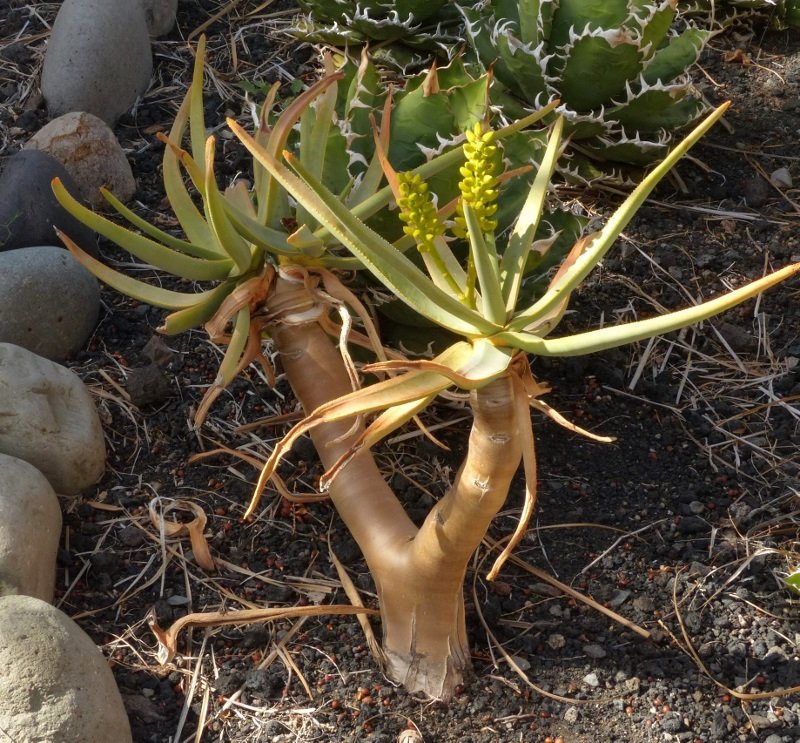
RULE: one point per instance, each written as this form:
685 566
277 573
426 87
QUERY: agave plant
419 572
617 68
404 35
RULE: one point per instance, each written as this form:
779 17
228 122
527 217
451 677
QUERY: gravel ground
684 526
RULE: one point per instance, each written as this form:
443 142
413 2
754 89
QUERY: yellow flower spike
418 211
479 179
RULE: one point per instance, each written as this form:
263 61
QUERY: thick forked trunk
419 573
422 602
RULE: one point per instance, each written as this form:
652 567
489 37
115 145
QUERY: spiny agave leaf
573 16
654 109
393 269
145 249
656 23
618 335
147 293
586 80
612 229
671 60
198 251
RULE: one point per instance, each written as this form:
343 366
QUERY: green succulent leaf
618 335
147 250
605 238
139 290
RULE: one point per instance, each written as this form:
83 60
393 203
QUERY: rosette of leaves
723 13
479 298
617 67
268 259
404 35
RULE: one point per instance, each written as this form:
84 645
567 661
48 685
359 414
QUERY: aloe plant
270 260
419 572
618 69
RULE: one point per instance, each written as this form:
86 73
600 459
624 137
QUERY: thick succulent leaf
191 220
520 67
612 229
469 366
198 314
391 268
576 15
674 59
145 249
595 69
485 260
198 251
147 293
657 108
657 23
618 335
235 245
515 256
197 121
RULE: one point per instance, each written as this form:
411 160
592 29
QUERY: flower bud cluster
418 211
479 179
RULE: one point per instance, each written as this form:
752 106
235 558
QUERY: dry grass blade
491 544
355 598
167 639
194 528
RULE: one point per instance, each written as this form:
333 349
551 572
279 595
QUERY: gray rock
90 152
55 685
594 651
29 530
98 58
49 303
160 16
28 210
47 418
591 679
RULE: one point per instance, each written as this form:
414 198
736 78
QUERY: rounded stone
160 16
98 58
91 154
49 303
55 685
29 212
48 418
29 530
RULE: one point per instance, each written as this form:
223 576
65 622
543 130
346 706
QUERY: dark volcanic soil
684 525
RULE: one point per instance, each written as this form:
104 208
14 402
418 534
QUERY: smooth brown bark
419 573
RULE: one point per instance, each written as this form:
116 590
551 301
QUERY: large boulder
49 303
56 686
88 149
29 211
98 58
30 530
47 418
